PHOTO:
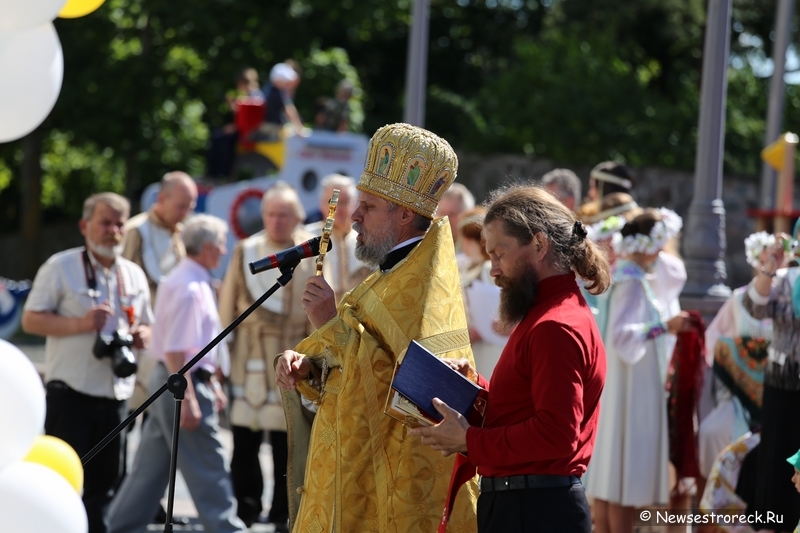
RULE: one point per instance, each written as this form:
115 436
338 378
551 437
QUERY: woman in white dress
630 459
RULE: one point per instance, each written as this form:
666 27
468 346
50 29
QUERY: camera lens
124 362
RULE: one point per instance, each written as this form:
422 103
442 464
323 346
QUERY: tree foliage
577 81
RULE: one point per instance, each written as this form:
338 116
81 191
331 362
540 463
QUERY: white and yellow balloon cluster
40 477
31 61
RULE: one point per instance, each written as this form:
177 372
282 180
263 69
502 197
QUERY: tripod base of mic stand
176 383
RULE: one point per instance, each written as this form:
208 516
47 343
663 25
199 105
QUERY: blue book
419 378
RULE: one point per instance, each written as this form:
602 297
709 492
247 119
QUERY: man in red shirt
544 394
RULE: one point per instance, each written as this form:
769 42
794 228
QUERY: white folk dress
629 463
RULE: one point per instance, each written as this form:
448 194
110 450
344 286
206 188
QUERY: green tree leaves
577 81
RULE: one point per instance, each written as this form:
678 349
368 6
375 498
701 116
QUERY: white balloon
31 70
22 405
26 14
36 499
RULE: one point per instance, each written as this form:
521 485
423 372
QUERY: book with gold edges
419 378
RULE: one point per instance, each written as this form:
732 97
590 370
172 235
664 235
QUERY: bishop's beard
517 296
376 244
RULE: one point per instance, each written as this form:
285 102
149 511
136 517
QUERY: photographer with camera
93 306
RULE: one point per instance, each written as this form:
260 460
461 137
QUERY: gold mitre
409 166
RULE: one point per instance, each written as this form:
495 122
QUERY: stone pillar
777 92
417 64
704 230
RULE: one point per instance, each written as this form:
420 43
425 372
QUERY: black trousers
82 421
248 481
551 510
780 438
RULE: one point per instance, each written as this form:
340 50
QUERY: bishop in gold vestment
355 469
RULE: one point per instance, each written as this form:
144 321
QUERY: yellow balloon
78 8
56 454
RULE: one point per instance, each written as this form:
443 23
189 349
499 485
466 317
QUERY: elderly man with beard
78 295
545 391
357 469
278 322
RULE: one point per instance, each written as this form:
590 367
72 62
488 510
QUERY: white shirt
407 242
186 316
60 287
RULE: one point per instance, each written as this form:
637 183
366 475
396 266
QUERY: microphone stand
176 384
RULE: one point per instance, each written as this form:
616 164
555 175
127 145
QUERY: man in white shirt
186 321
77 294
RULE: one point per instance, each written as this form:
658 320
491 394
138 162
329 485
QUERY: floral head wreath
663 230
755 244
606 229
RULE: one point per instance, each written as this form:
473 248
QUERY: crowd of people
565 311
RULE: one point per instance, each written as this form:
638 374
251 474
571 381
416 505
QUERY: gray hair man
456 200
186 320
77 296
256 406
564 185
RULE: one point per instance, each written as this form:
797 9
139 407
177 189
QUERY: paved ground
183 505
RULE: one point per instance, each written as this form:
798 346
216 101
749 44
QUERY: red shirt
544 395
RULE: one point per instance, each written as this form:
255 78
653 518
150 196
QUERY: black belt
57 385
531 481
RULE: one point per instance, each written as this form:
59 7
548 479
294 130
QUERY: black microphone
310 248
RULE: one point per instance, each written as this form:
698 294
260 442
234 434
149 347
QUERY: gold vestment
363 472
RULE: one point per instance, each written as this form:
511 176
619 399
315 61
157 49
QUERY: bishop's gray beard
376 245
517 296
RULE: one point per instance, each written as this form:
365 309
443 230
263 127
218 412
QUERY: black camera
118 347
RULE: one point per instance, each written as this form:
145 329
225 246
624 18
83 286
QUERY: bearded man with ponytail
544 394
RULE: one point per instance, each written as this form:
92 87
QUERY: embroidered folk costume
780 433
736 346
355 467
255 399
279 322
722 490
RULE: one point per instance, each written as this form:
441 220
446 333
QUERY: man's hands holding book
450 435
